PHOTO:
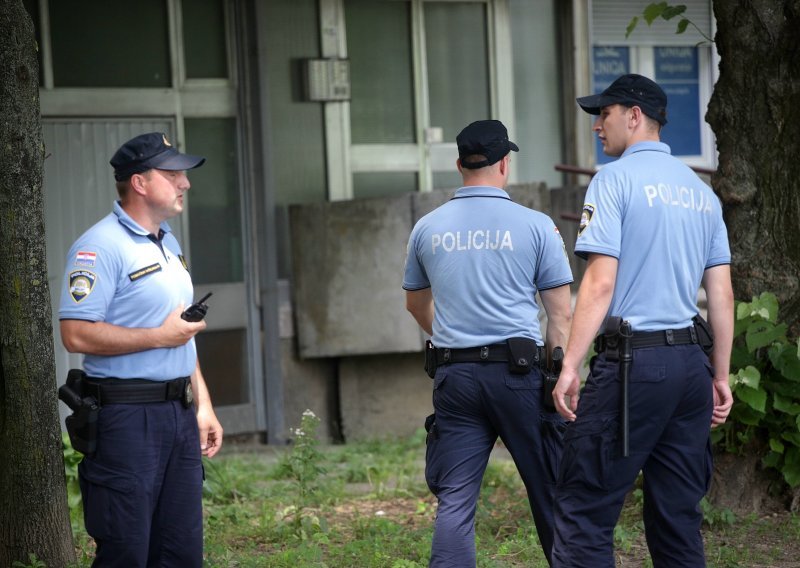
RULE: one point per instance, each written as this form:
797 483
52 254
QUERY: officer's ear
458 165
138 182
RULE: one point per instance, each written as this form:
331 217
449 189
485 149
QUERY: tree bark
755 114
34 516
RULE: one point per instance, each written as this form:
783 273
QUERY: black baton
625 360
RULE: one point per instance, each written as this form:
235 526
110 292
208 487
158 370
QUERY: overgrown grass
366 505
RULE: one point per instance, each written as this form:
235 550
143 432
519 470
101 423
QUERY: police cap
150 151
487 138
630 90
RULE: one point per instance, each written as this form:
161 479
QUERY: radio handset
197 311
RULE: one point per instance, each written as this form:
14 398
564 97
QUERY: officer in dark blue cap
125 287
474 268
653 234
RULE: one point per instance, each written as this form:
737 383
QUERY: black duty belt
659 338
136 391
495 353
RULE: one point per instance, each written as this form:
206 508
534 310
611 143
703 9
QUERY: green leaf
785 405
742 310
794 438
673 11
772 459
653 11
762 333
776 445
755 398
631 26
791 467
749 377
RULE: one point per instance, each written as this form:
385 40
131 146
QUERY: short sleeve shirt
484 258
663 224
117 274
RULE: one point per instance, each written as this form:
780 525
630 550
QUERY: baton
626 358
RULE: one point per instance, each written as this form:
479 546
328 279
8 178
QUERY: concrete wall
358 353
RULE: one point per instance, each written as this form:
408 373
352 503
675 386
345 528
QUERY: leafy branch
666 12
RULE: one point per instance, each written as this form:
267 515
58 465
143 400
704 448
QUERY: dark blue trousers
670 406
474 403
142 490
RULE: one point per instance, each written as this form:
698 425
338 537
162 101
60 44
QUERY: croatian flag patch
85 258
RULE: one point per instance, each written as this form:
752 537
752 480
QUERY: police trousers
142 490
670 406
474 403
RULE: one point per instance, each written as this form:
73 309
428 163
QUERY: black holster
82 423
430 359
705 335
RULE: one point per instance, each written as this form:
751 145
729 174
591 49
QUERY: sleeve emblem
586 217
81 284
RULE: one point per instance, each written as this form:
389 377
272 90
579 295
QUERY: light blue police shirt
117 275
664 225
484 257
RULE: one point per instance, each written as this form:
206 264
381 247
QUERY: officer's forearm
719 292
591 308
557 305
419 303
100 338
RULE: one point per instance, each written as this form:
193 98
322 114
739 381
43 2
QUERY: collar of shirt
480 191
128 222
647 145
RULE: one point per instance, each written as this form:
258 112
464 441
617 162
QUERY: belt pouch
705 335
612 337
522 354
430 359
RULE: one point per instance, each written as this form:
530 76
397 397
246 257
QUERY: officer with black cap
124 290
652 233
473 269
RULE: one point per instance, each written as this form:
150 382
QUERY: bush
766 389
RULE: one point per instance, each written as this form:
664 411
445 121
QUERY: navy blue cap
487 138
630 90
150 151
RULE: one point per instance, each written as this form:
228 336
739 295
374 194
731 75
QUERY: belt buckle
446 355
484 352
670 337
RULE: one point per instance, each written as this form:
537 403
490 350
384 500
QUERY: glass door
420 71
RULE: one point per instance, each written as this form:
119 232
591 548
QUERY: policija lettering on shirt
679 196
472 240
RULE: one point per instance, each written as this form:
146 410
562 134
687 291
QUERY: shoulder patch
586 217
85 258
81 284
142 272
183 262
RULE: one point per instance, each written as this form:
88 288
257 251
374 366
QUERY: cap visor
178 162
513 146
592 104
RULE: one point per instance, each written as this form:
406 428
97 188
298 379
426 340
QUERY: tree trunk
755 114
34 517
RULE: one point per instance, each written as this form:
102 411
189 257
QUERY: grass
366 505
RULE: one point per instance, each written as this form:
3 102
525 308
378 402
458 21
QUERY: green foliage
766 388
72 458
33 562
713 516
666 12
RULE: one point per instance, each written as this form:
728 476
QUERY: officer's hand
568 385
210 432
723 401
175 331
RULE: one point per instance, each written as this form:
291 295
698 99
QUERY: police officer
125 287
473 269
653 233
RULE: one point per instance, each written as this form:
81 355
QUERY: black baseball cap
150 151
630 90
487 138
